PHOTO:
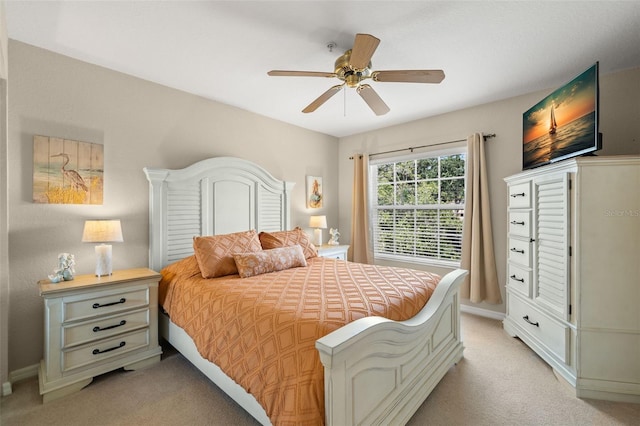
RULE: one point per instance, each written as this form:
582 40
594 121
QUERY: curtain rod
411 148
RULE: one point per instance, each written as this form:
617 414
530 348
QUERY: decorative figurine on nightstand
334 237
65 270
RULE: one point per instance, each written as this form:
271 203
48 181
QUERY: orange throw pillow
271 240
215 253
261 262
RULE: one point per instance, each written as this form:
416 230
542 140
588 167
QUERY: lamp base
103 260
317 237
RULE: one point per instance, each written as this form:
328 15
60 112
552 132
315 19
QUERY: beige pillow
271 240
261 262
215 253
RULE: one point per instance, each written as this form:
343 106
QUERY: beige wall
619 123
4 242
4 43
140 124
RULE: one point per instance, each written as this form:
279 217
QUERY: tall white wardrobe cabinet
573 271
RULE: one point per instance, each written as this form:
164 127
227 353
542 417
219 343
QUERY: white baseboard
17 375
6 389
482 312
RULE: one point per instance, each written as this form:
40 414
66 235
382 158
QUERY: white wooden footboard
379 371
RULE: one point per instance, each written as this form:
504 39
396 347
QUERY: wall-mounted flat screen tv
564 124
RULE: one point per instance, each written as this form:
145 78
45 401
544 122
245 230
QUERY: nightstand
333 251
97 324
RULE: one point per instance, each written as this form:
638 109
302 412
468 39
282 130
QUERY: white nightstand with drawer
333 251
97 324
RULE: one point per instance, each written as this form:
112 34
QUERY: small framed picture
314 192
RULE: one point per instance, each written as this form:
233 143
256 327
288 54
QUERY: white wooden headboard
214 196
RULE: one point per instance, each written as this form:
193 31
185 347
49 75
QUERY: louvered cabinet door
551 244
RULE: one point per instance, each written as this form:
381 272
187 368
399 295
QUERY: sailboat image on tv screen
564 124
552 122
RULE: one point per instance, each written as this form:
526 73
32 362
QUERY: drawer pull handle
98 351
520 194
97 305
96 328
513 277
515 222
526 318
515 250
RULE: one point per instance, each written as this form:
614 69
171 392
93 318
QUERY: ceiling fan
354 67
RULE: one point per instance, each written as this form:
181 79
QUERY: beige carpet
499 382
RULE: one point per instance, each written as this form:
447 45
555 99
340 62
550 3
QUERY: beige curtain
360 241
481 284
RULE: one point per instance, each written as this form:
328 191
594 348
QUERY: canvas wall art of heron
67 171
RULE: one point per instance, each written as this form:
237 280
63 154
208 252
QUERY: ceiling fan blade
322 98
409 76
281 73
362 51
372 99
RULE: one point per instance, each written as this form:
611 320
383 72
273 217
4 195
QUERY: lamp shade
102 231
318 222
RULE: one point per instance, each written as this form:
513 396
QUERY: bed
375 370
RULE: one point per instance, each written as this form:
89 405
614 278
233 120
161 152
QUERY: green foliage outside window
420 206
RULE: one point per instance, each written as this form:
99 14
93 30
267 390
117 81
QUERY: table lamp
102 231
318 223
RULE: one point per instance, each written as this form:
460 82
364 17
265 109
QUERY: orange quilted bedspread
261 331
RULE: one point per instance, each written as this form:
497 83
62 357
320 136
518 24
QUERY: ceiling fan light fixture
353 80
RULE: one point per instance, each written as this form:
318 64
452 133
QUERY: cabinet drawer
552 334
102 303
520 195
333 251
520 252
104 327
104 349
339 256
520 223
519 279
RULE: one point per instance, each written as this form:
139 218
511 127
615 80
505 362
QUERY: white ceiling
222 50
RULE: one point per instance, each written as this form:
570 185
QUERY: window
418 207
